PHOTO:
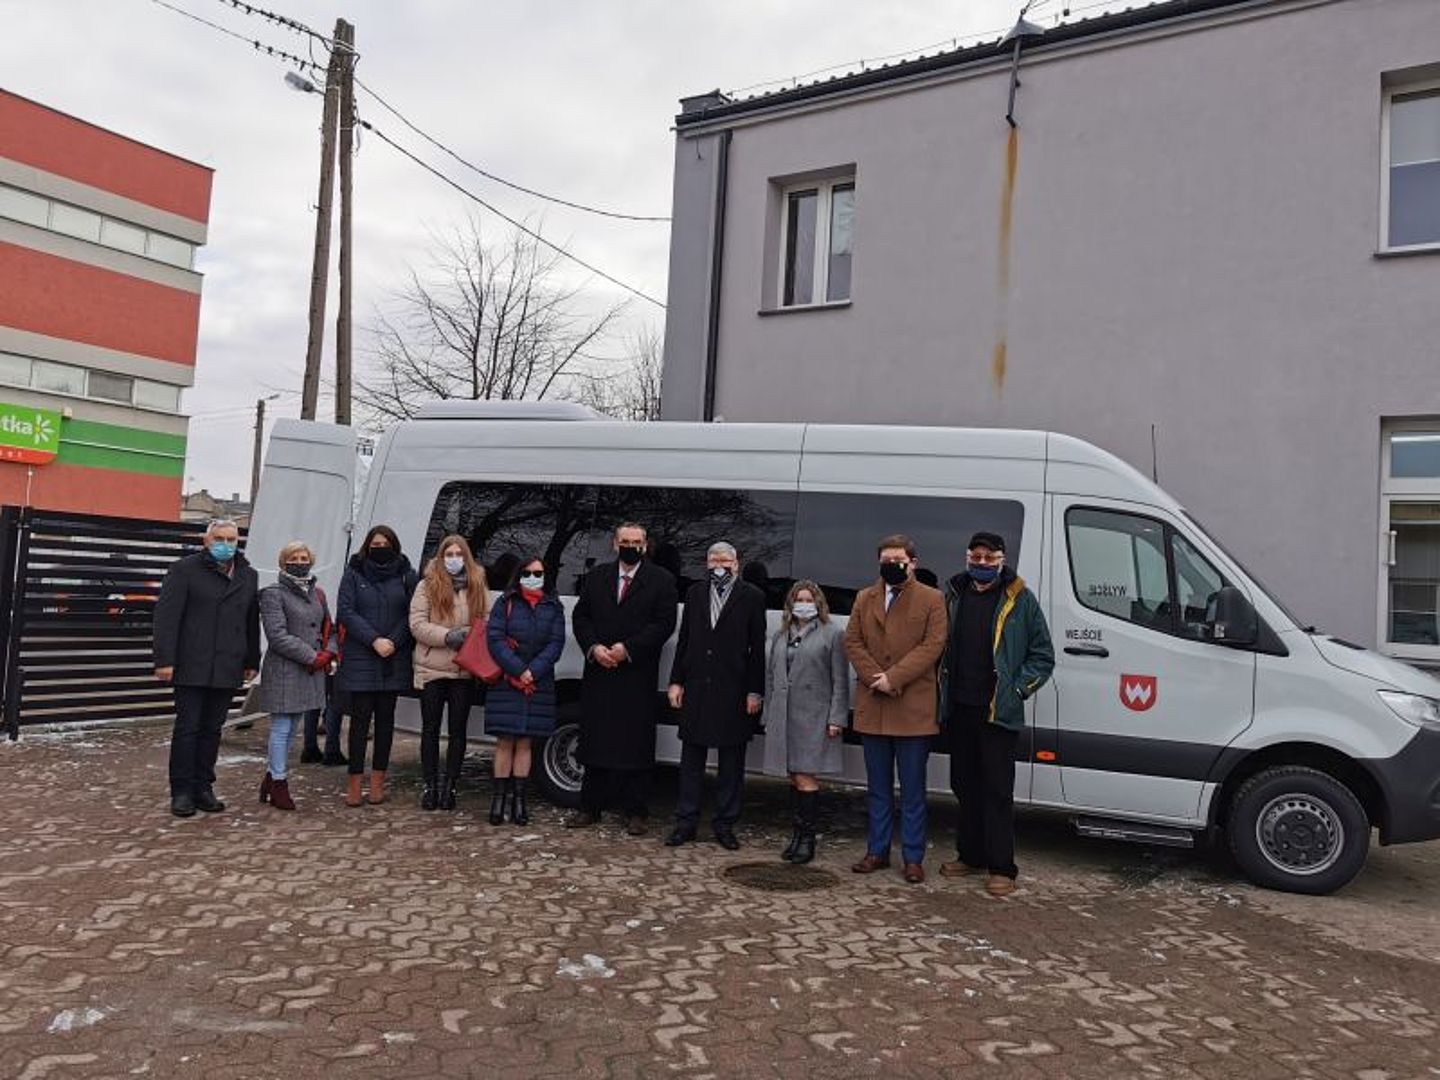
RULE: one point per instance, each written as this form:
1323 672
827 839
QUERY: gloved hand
323 659
455 638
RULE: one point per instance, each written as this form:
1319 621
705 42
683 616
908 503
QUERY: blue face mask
983 574
222 551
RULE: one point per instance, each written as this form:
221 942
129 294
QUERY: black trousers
334 717
436 697
195 740
729 785
627 789
982 776
365 704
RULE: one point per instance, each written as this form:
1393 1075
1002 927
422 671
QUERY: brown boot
352 792
280 795
377 787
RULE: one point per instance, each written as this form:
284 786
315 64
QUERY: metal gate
75 623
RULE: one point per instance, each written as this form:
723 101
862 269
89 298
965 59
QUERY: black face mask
894 573
631 555
382 556
298 569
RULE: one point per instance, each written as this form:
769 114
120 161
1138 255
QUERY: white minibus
1186 702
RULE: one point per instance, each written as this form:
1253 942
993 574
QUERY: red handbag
474 656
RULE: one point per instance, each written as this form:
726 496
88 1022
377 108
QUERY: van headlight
1413 708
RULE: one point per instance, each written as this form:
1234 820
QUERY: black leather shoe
311 757
336 758
679 836
205 799
428 799
182 806
447 793
728 840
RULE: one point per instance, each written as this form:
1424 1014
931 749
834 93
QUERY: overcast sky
572 98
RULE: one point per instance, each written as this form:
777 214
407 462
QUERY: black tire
557 772
1297 829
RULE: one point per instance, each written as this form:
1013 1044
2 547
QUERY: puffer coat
521 637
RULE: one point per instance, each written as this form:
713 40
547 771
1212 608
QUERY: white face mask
533 582
804 610
454 564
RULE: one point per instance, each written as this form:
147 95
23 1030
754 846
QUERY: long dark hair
385 531
513 585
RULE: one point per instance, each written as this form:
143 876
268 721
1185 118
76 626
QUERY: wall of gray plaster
1195 221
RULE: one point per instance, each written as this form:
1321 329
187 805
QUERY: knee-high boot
789 852
805 850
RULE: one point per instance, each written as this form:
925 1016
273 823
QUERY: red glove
322 661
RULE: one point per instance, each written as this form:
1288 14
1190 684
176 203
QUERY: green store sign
29 435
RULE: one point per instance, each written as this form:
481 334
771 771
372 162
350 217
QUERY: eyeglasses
993 559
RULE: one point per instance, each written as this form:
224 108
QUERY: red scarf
532 596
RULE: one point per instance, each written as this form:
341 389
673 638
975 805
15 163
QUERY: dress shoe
311 757
728 840
679 836
581 819
182 805
280 796
636 826
336 758
429 798
957 869
1000 885
265 786
447 793
205 800
913 873
870 863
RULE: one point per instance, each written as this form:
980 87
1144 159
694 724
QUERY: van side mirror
1232 618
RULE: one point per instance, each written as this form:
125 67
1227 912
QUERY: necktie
624 586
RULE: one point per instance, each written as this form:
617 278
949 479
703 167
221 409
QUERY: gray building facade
1210 245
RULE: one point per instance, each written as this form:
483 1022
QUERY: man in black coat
624 616
718 683
207 642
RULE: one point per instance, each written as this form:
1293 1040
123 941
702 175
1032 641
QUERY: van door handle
1087 650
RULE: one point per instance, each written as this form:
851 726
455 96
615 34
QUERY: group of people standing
964 661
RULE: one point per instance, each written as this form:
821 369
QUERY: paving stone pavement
386 942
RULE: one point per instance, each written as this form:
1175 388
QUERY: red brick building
99 313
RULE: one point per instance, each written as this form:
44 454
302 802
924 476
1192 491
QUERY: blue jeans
282 732
883 755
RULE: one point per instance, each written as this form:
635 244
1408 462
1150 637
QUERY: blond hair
293 548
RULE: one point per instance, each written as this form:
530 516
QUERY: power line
279 20
505 217
491 176
259 45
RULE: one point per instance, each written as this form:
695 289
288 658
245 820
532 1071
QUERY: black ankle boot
789 852
497 800
521 815
805 822
447 793
429 798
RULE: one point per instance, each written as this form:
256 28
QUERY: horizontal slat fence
75 625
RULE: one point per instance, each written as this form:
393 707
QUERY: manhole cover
780 877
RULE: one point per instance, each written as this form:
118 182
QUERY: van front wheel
1298 829
560 770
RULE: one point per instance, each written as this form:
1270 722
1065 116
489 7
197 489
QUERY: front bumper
1410 786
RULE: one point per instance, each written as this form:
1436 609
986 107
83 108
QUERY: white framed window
109 232
164 397
107 386
14 370
23 206
57 378
817 242
1410 180
117 234
1409 605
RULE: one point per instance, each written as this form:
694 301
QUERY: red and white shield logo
1138 692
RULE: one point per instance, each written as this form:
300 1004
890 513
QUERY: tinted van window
836 533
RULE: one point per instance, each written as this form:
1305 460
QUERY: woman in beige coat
451 599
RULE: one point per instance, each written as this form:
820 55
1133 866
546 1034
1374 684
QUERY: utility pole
345 49
320 269
259 443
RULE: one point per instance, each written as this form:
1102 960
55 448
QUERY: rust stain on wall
1002 270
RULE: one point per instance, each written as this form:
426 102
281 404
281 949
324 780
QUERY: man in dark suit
622 619
718 683
207 642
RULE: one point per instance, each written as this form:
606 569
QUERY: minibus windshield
1269 593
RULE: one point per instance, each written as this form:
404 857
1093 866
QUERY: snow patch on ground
590 967
70 1019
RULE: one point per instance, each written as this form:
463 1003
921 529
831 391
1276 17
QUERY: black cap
993 541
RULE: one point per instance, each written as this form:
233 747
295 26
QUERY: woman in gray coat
807 703
297 626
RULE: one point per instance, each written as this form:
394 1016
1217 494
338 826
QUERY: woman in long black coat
526 634
374 608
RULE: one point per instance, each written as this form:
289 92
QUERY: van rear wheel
560 771
1298 829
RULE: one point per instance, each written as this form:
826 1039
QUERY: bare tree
630 390
487 321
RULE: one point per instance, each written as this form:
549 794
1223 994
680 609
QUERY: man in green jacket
999 653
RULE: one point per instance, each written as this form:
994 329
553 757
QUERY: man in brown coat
894 641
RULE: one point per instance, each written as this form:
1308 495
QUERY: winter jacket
294 618
905 643
433 658
207 622
1024 655
374 602
538 636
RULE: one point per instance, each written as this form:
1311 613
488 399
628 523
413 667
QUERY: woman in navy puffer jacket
526 634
